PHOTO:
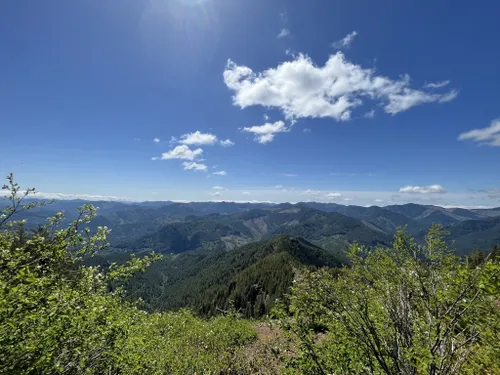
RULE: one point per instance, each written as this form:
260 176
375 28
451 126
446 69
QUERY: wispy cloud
217 188
227 143
283 33
346 41
436 85
290 175
192 166
156 140
370 114
302 89
246 193
220 173
266 133
333 196
70 196
488 136
430 189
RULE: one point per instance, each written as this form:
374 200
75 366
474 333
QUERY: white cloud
246 193
488 136
217 188
156 140
379 200
348 199
266 117
333 195
436 85
346 41
64 196
227 143
370 114
283 33
306 130
279 186
301 89
192 166
215 194
182 152
220 173
137 139
198 138
290 175
265 133
431 189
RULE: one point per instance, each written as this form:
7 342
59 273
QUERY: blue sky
354 102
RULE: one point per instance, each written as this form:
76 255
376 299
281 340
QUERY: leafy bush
406 310
58 316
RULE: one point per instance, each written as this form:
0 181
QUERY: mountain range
243 256
170 227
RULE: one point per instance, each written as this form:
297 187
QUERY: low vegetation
408 309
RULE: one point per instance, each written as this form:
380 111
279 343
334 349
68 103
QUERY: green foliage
248 279
58 316
179 343
407 310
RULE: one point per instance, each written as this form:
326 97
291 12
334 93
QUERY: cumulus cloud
431 189
220 173
198 138
346 41
156 140
333 195
182 152
488 136
217 188
265 133
436 85
227 143
301 89
192 166
283 33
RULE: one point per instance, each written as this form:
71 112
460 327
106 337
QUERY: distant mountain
331 230
249 278
383 218
191 225
475 234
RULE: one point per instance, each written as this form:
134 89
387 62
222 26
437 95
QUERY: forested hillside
248 279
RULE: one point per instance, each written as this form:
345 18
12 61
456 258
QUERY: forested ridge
407 306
